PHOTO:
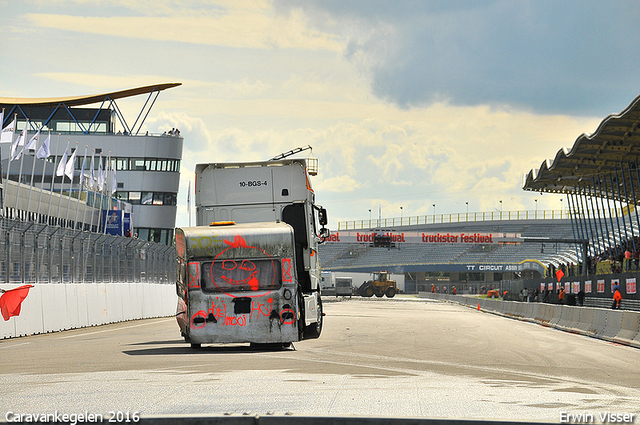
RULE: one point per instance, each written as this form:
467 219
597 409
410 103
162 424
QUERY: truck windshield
237 275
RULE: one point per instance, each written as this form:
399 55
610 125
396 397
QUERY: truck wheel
315 329
368 292
379 295
391 292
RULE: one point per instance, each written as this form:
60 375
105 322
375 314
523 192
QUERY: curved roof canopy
52 105
87 99
598 164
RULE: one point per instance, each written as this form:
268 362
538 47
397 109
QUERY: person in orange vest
454 292
561 295
617 297
433 288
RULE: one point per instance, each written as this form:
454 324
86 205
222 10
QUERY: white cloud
237 28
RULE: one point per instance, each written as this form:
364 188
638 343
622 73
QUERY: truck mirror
324 233
322 216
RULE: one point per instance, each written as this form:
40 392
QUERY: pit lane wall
57 307
619 326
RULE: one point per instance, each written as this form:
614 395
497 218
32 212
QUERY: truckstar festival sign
386 238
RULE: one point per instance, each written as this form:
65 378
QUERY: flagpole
105 186
70 170
53 179
33 167
44 166
64 158
23 138
92 187
189 202
80 187
6 182
100 191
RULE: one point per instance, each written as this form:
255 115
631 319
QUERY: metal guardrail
455 218
38 253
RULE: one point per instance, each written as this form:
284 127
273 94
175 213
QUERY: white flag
20 141
82 168
44 151
114 182
100 175
33 142
71 165
8 132
63 162
92 178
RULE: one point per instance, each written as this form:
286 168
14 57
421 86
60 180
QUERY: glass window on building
158 198
147 198
137 164
134 197
122 164
143 234
123 196
167 236
170 199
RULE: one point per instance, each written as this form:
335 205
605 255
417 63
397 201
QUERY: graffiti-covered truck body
252 206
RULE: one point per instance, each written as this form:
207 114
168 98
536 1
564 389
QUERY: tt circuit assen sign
389 236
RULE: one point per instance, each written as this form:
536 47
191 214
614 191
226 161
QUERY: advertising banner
112 220
422 237
631 285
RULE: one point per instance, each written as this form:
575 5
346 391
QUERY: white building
147 166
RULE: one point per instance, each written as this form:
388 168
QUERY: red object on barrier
11 301
478 306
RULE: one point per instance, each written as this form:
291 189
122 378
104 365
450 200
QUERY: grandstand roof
86 99
614 146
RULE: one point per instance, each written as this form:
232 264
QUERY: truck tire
368 292
391 292
315 329
379 295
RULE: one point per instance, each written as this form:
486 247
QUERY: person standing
617 297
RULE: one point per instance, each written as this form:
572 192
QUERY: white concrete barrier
613 325
55 307
630 329
599 321
585 323
531 312
619 326
574 318
545 314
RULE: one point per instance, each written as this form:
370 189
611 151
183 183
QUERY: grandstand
457 257
600 176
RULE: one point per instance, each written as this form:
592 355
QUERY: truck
327 284
380 285
344 286
249 270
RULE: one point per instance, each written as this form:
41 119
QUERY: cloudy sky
406 104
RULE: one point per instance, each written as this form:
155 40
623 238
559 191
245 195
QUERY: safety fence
454 218
619 326
38 253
